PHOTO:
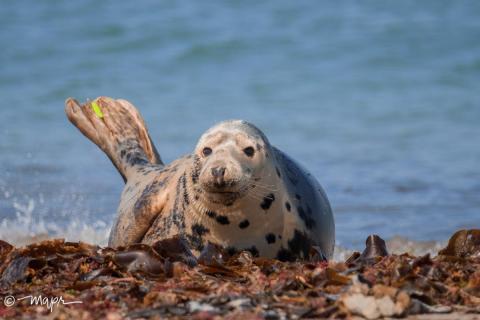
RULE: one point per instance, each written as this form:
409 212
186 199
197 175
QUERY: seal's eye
249 151
207 151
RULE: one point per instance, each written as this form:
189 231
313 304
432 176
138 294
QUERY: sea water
380 100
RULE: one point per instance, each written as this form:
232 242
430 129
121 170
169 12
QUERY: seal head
227 159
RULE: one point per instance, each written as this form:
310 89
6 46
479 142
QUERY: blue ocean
380 100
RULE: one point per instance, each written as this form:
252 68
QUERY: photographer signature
49 302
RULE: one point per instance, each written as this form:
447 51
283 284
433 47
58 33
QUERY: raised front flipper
117 128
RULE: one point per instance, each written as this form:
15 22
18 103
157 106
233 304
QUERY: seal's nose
218 172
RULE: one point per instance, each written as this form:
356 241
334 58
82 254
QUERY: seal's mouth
224 193
225 187
223 197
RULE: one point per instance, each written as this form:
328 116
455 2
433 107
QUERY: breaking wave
27 228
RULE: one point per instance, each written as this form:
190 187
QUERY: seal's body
235 189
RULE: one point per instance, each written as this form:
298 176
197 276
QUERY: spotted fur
267 201
244 224
274 208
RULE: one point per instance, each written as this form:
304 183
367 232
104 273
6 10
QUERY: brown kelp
167 280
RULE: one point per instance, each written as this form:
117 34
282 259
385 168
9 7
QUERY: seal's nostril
218 172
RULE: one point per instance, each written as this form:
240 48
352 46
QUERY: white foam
398 245
26 228
341 254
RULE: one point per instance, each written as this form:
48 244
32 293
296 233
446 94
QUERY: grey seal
235 189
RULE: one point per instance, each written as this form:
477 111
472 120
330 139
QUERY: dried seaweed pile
166 280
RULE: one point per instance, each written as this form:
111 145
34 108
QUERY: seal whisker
251 193
260 182
254 196
264 187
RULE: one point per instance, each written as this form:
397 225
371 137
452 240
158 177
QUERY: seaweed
165 280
